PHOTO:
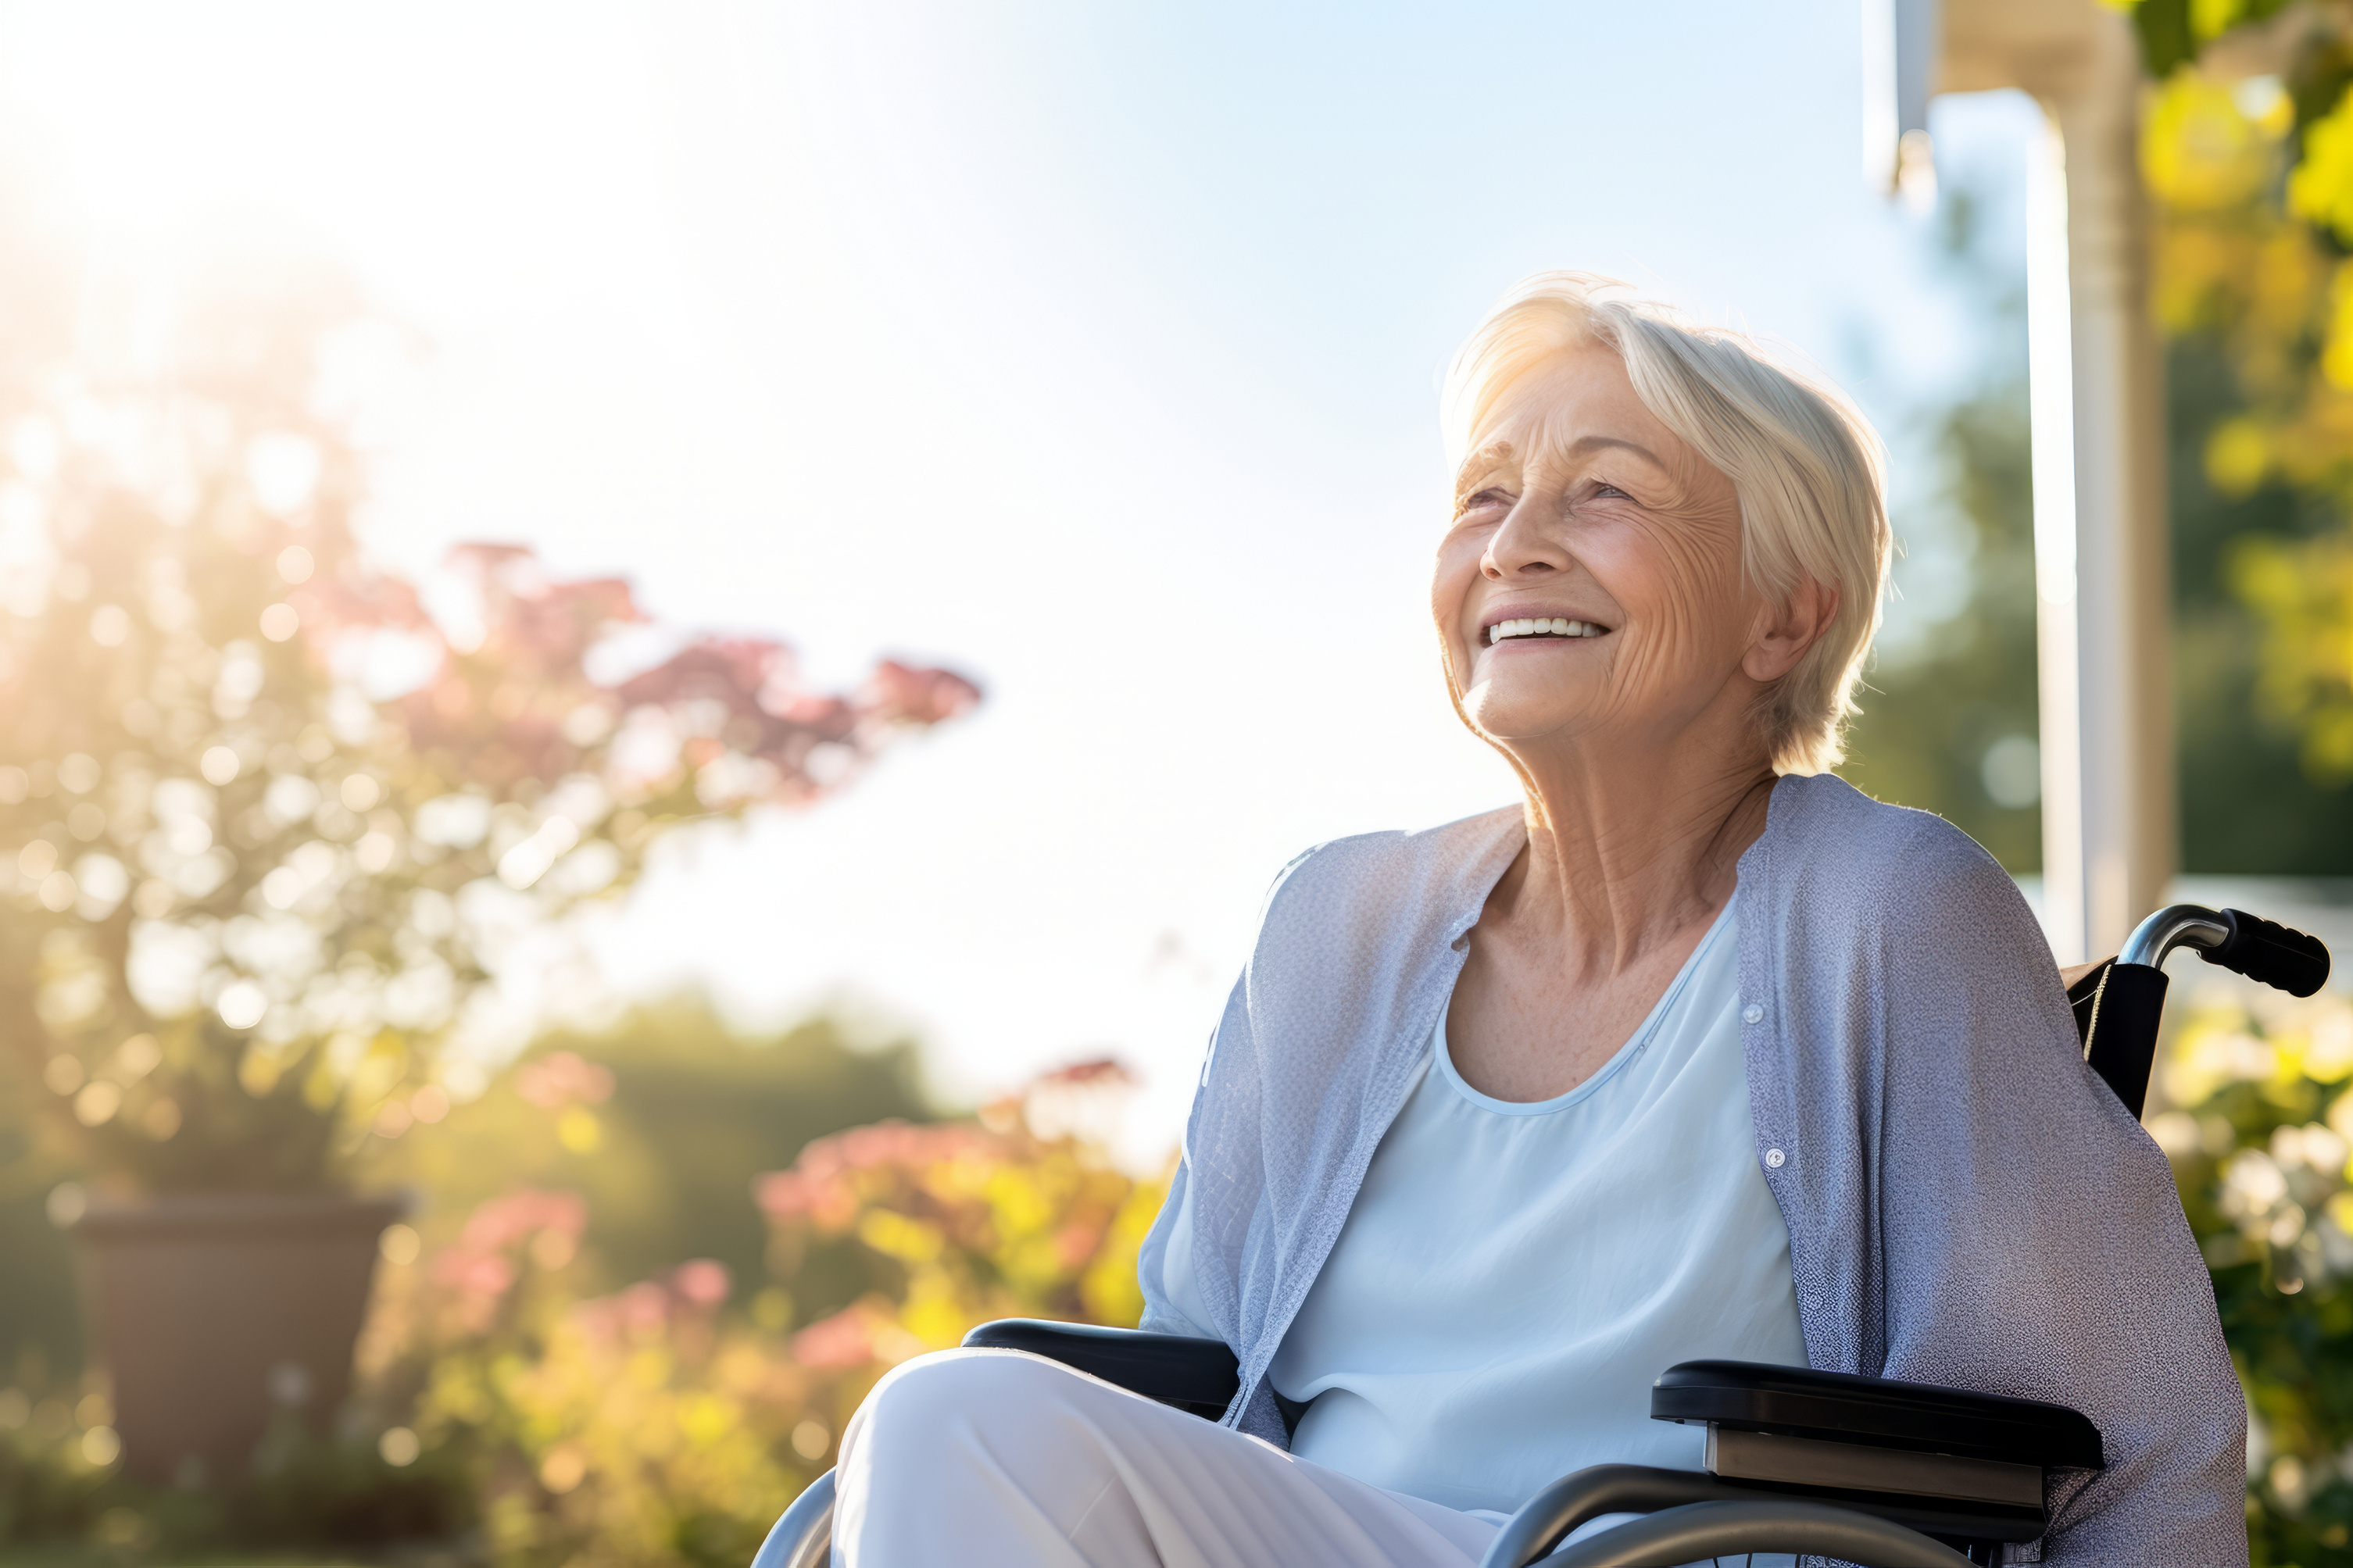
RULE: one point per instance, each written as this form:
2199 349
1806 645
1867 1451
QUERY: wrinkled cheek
1679 639
1651 672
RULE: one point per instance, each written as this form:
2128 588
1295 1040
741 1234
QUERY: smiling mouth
1556 628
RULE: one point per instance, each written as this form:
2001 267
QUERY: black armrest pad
1174 1368
1840 1407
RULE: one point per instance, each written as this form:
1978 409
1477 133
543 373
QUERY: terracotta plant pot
215 1313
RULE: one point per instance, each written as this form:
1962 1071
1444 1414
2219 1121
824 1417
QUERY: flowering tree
267 824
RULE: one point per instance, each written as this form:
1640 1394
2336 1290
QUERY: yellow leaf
2321 189
2198 151
2237 456
896 1235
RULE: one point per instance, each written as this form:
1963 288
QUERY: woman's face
1590 585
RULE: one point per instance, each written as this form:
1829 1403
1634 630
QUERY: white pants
1003 1459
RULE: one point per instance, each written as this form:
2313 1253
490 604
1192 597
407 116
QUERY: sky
1092 350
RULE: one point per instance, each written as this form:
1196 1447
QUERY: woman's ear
1783 636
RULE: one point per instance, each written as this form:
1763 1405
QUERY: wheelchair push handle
2266 950
2118 1004
2246 944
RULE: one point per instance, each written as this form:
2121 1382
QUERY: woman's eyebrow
1480 467
1584 444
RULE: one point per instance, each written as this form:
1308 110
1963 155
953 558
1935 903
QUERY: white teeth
1553 626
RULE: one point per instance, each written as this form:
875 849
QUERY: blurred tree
2252 296
1949 720
265 824
659 1122
2248 156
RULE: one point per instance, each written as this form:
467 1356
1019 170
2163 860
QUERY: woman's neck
1631 850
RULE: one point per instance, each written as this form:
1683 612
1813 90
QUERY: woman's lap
1001 1460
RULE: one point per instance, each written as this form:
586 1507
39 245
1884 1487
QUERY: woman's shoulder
1835 859
1388 873
1823 828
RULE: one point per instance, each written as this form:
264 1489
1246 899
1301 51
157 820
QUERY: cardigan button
1752 1014
1774 1159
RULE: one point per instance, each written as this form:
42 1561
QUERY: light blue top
1514 1275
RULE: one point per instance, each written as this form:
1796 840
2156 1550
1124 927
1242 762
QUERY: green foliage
2173 31
39 1315
2251 184
58 1485
2260 1144
1932 715
2249 805
48 1488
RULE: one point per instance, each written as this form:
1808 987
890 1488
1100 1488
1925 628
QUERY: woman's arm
1163 1266
2031 1236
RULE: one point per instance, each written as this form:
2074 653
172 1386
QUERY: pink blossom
562 1078
509 1221
910 696
644 1306
473 1273
702 1281
844 1339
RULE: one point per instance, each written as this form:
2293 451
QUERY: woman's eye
1481 502
1606 492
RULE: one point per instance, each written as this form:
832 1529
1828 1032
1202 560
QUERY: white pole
2096 378
2051 402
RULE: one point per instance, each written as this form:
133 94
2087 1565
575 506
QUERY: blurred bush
513 1412
2259 1139
653 1426
657 1120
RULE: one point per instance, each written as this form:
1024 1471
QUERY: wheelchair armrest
1876 1412
1197 1375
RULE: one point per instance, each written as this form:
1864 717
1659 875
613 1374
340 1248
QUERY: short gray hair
1809 470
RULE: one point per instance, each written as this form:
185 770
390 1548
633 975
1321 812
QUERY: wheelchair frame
1858 1470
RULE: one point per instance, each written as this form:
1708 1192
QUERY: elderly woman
1695 1052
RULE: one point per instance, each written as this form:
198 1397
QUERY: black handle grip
2266 950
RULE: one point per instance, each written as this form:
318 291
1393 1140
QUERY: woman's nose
1526 543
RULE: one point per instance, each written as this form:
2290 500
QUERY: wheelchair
1862 1470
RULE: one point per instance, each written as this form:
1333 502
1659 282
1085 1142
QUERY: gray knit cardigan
1966 1203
